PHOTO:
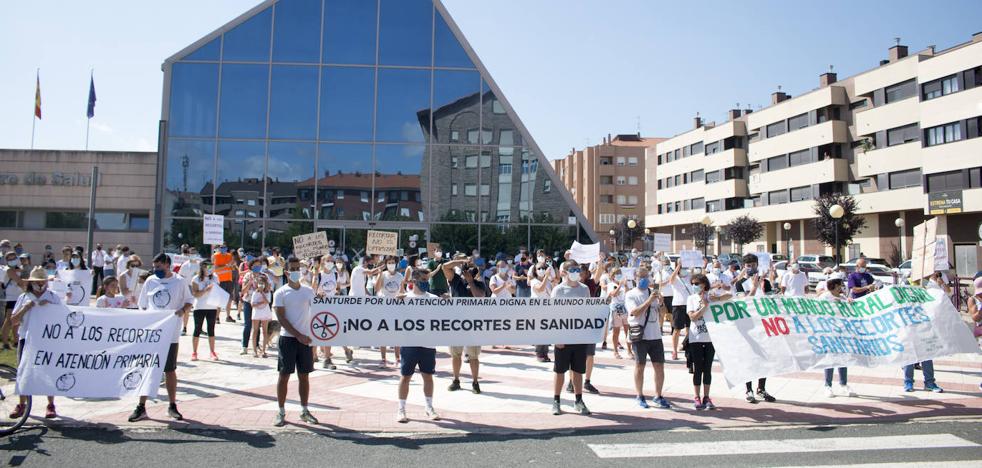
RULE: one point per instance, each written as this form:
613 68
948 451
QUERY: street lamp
613 240
631 224
647 232
836 212
706 221
899 222
787 234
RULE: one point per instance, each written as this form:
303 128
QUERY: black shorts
171 364
227 286
570 357
294 356
591 349
413 356
680 318
10 306
645 349
668 301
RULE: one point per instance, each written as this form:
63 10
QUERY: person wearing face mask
124 256
569 357
224 264
794 282
327 283
201 287
256 271
292 305
75 262
677 281
860 282
663 278
360 275
635 260
129 277
585 278
701 348
836 291
464 282
344 279
11 288
98 260
642 311
165 291
752 283
616 290
719 279
411 357
501 283
437 279
36 294
260 300
390 283
540 285
822 286
521 277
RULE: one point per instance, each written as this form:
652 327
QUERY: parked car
879 272
778 257
815 262
904 268
872 261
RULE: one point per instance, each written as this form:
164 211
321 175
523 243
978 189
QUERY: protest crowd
658 310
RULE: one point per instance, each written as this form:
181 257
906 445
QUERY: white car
880 273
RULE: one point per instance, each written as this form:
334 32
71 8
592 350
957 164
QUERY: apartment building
901 137
607 181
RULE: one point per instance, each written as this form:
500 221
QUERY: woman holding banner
201 287
835 290
701 348
540 283
390 283
36 294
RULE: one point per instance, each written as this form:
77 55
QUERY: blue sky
574 70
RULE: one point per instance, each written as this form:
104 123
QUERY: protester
108 296
224 266
390 283
66 258
540 285
647 342
463 274
680 294
521 275
277 265
861 282
344 278
359 277
616 290
36 294
129 277
751 283
822 285
501 283
292 305
327 282
259 304
12 287
591 349
164 291
234 294
412 357
201 287
99 259
124 257
570 357
794 282
701 348
836 291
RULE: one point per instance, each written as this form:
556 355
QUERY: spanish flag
37 98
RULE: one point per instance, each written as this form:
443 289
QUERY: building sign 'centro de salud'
64 179
939 203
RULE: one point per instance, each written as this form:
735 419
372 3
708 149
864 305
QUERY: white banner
77 283
763 337
214 229
459 321
662 242
86 352
584 253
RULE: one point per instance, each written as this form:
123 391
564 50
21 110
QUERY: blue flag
91 110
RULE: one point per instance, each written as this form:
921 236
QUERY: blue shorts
413 356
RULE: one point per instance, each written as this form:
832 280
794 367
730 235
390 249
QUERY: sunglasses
574 270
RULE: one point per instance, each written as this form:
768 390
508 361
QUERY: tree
847 226
744 230
626 235
702 234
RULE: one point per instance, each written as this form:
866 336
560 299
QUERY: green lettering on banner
716 310
790 305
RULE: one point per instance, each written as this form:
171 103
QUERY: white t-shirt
13 290
604 283
120 264
662 276
25 319
698 333
617 300
535 283
391 282
262 312
497 281
357 282
202 283
679 289
565 290
794 284
328 283
296 307
632 300
98 258
828 296
106 302
166 294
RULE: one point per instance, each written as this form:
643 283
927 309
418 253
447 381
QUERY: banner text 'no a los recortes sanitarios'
459 321
767 336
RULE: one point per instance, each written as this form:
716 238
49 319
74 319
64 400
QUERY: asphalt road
846 445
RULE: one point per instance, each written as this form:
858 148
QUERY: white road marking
940 464
747 447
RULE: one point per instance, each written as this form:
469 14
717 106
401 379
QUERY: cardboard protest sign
214 229
584 253
382 243
78 286
84 352
923 250
311 245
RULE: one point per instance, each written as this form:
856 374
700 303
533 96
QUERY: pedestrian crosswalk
764 446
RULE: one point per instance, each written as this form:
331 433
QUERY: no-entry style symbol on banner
324 326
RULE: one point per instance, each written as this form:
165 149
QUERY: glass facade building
349 115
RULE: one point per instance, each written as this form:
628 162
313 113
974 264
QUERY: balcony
822 97
829 170
726 189
946 109
888 116
681 192
832 131
911 198
889 159
951 156
733 157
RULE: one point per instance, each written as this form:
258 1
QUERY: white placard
763 261
214 229
662 242
217 298
941 262
628 273
584 253
459 321
691 258
382 243
79 284
896 326
84 352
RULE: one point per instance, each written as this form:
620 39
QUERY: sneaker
662 403
603 345
556 408
229 319
917 366
349 356
454 386
49 412
308 418
697 404
432 414
751 398
401 416
675 355
329 365
934 388
244 352
708 404
642 402
280 420
846 390
828 392
139 414
476 388
214 357
194 356
590 388
765 396
174 413
467 359
184 331
19 411
569 387
908 387
541 358
581 408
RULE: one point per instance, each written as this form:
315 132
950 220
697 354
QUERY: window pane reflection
290 167
194 92
177 232
241 166
456 110
293 103
249 41
397 182
448 52
208 51
403 97
347 103
190 166
452 173
349 31
406 32
344 184
297 33
243 108
244 232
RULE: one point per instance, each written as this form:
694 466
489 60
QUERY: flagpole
37 76
88 120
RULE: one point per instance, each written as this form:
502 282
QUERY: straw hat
38 274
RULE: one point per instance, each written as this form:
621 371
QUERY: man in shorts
463 282
680 318
412 357
292 305
642 309
164 290
570 357
586 279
